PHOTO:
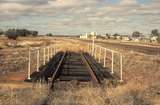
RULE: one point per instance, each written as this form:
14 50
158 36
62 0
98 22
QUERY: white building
126 38
84 36
94 34
136 40
154 38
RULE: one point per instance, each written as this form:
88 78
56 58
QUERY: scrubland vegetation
141 84
24 96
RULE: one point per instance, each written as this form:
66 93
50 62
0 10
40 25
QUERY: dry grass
25 96
88 95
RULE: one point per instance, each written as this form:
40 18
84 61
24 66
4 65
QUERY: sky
72 17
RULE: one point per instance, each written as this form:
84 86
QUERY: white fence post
93 46
112 63
55 50
100 54
95 52
51 54
88 48
48 53
121 63
44 56
38 60
92 50
29 64
104 64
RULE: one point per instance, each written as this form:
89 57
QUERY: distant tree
14 33
115 35
155 32
23 32
107 35
34 33
136 34
121 37
49 34
11 34
1 32
100 37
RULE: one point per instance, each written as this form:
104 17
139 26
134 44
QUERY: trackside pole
121 63
44 56
112 63
38 60
104 63
29 64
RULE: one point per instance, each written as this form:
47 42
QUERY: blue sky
81 16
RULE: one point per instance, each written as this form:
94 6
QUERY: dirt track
137 48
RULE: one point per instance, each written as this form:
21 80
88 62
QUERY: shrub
14 33
1 32
49 34
11 34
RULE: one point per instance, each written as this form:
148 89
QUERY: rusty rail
57 71
60 70
93 74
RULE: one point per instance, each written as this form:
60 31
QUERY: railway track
71 66
75 66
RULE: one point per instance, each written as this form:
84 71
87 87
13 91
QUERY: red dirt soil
14 80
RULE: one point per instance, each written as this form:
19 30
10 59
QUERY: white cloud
13 7
87 13
128 2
